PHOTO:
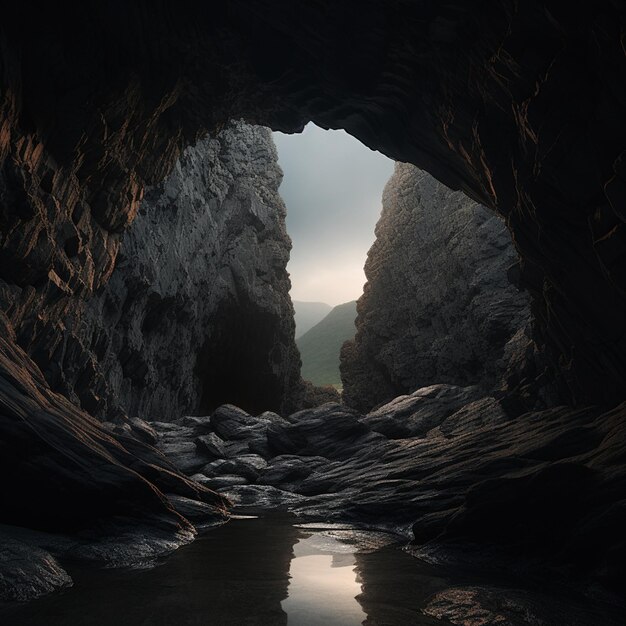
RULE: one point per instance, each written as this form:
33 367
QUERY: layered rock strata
444 466
97 102
194 311
105 493
438 305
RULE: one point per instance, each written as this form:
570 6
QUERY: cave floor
273 570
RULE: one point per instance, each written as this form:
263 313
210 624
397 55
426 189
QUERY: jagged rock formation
197 310
438 306
109 495
96 104
537 137
444 465
193 312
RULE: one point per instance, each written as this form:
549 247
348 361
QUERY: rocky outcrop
64 472
196 311
444 465
438 305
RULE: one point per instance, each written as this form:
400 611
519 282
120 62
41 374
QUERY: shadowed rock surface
197 311
444 465
438 305
96 105
66 473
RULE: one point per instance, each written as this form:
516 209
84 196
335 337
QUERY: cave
519 106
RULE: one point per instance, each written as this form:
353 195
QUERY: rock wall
196 312
97 103
438 305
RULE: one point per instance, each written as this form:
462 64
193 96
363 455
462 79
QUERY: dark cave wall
158 339
199 294
438 305
96 104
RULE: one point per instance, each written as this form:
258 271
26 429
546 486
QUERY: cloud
332 187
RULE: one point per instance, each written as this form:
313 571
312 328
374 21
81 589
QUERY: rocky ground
79 489
444 465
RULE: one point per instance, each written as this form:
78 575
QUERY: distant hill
320 346
308 314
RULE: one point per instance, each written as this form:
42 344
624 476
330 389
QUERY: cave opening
332 187
97 108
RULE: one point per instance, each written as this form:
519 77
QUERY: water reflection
323 586
268 572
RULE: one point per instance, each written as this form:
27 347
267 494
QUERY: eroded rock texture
444 465
197 310
97 103
519 104
64 472
438 306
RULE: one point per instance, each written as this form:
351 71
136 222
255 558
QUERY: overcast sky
332 187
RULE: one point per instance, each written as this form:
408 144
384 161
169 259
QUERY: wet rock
285 471
415 414
483 605
183 452
142 430
200 424
211 444
262 496
246 465
28 572
224 481
134 545
194 510
82 474
231 423
455 469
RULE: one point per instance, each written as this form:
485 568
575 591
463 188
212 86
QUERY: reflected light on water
322 587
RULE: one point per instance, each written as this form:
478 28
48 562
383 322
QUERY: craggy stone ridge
438 306
197 310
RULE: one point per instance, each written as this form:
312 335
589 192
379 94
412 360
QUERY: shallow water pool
272 571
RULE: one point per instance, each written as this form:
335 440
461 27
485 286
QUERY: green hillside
307 314
319 347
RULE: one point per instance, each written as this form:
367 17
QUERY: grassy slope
320 346
307 314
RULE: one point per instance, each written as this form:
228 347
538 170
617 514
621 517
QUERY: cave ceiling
520 105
